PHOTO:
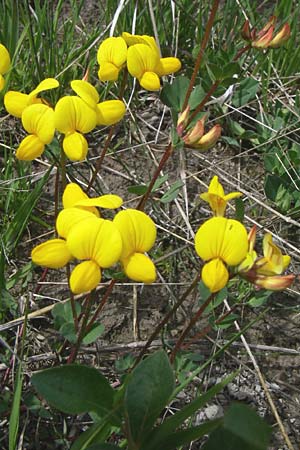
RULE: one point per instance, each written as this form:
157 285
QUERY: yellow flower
216 197
144 62
4 64
138 234
15 102
251 256
220 241
73 117
108 112
38 120
273 262
111 57
99 244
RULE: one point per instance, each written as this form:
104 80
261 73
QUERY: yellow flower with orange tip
273 261
111 56
144 61
138 234
216 197
265 37
220 242
4 64
73 117
38 120
15 102
108 112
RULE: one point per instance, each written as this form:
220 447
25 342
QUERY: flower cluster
227 249
141 56
265 37
96 242
73 116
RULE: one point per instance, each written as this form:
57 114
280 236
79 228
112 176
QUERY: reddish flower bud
281 37
264 40
247 35
274 283
195 134
182 121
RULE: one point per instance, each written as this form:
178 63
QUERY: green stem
201 51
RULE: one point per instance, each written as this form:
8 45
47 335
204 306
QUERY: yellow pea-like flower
108 112
220 241
38 121
138 234
111 57
74 117
273 261
216 197
4 64
15 102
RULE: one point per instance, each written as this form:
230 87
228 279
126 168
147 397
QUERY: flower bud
209 139
264 40
274 283
246 33
182 121
281 37
195 134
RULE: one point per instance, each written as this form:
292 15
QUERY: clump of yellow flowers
227 249
98 243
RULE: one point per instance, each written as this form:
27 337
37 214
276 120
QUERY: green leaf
75 389
15 410
239 209
147 393
97 433
172 193
67 330
259 298
139 189
156 438
179 438
93 334
242 429
232 68
197 95
245 92
160 181
272 185
173 95
62 313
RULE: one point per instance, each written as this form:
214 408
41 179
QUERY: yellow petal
138 231
45 85
150 81
30 148
53 254
85 277
72 194
15 102
95 239
4 59
69 217
132 39
140 59
109 201
215 275
75 146
108 72
110 112
86 91
139 267
166 66
72 113
222 238
38 119
113 50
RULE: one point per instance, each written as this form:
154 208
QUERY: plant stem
101 305
201 51
164 159
190 325
166 318
82 332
